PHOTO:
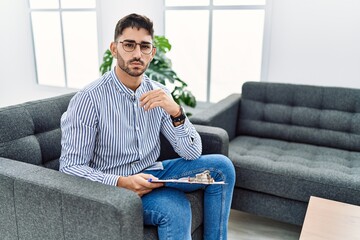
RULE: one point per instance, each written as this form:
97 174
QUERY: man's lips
136 63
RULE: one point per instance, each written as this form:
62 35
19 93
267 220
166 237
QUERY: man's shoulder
98 84
91 93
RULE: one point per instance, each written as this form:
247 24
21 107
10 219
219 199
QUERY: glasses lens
146 48
129 46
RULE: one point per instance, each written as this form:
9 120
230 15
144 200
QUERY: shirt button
137 128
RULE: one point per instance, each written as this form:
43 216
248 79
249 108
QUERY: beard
125 66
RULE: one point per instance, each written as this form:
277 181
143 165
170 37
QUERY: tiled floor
244 226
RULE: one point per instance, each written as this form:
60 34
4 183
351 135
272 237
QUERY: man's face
134 63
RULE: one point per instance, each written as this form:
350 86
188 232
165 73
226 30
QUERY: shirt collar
123 89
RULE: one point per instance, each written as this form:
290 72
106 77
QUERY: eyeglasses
129 46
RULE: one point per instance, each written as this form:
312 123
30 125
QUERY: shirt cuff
110 179
184 129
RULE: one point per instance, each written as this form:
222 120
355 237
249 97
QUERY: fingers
155 98
158 98
152 103
139 183
148 184
148 188
150 94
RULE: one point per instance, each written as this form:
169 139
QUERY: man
111 130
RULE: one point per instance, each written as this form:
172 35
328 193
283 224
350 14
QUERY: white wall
315 42
17 68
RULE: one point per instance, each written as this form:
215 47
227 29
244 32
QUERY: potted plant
160 70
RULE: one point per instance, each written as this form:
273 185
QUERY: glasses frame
127 41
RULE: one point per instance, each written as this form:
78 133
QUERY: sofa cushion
294 170
30 132
325 116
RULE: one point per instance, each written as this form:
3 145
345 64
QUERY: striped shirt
106 134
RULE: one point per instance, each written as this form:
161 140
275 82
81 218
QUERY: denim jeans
169 209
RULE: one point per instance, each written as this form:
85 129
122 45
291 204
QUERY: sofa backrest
325 116
30 132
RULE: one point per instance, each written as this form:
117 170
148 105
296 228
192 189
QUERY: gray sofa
38 202
289 142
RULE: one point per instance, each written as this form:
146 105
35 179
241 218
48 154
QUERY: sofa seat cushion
294 170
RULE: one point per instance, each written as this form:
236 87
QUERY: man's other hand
139 183
158 98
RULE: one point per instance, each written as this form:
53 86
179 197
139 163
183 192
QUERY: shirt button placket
137 129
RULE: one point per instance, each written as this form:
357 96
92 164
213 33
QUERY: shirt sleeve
184 138
79 130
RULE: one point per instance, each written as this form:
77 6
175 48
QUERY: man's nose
137 51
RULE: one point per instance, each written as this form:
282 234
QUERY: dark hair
134 20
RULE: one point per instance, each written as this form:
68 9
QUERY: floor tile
244 226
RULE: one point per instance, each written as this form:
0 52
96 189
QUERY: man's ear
113 49
153 53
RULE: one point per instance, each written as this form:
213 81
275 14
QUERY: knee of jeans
226 168
177 207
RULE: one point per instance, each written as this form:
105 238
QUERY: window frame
211 8
60 10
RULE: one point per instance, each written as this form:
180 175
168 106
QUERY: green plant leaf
107 62
162 44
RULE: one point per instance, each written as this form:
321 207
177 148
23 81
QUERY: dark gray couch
289 142
37 202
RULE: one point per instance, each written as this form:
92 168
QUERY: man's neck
129 81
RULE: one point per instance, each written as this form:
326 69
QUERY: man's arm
79 129
182 136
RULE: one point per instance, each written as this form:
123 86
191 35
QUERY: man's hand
158 98
139 183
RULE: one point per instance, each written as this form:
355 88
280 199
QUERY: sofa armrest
214 140
40 203
223 114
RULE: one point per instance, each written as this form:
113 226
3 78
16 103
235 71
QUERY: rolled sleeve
184 138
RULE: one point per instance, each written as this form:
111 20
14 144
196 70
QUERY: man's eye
129 45
145 46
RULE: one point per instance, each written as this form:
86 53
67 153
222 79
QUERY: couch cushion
296 171
30 132
326 116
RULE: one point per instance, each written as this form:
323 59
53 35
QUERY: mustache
137 60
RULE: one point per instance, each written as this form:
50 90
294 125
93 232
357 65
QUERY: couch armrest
40 203
223 114
214 140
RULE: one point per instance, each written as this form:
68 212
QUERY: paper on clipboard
201 178
182 181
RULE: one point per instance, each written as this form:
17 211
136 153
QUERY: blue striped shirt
106 134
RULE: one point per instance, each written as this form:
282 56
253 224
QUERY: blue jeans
169 209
